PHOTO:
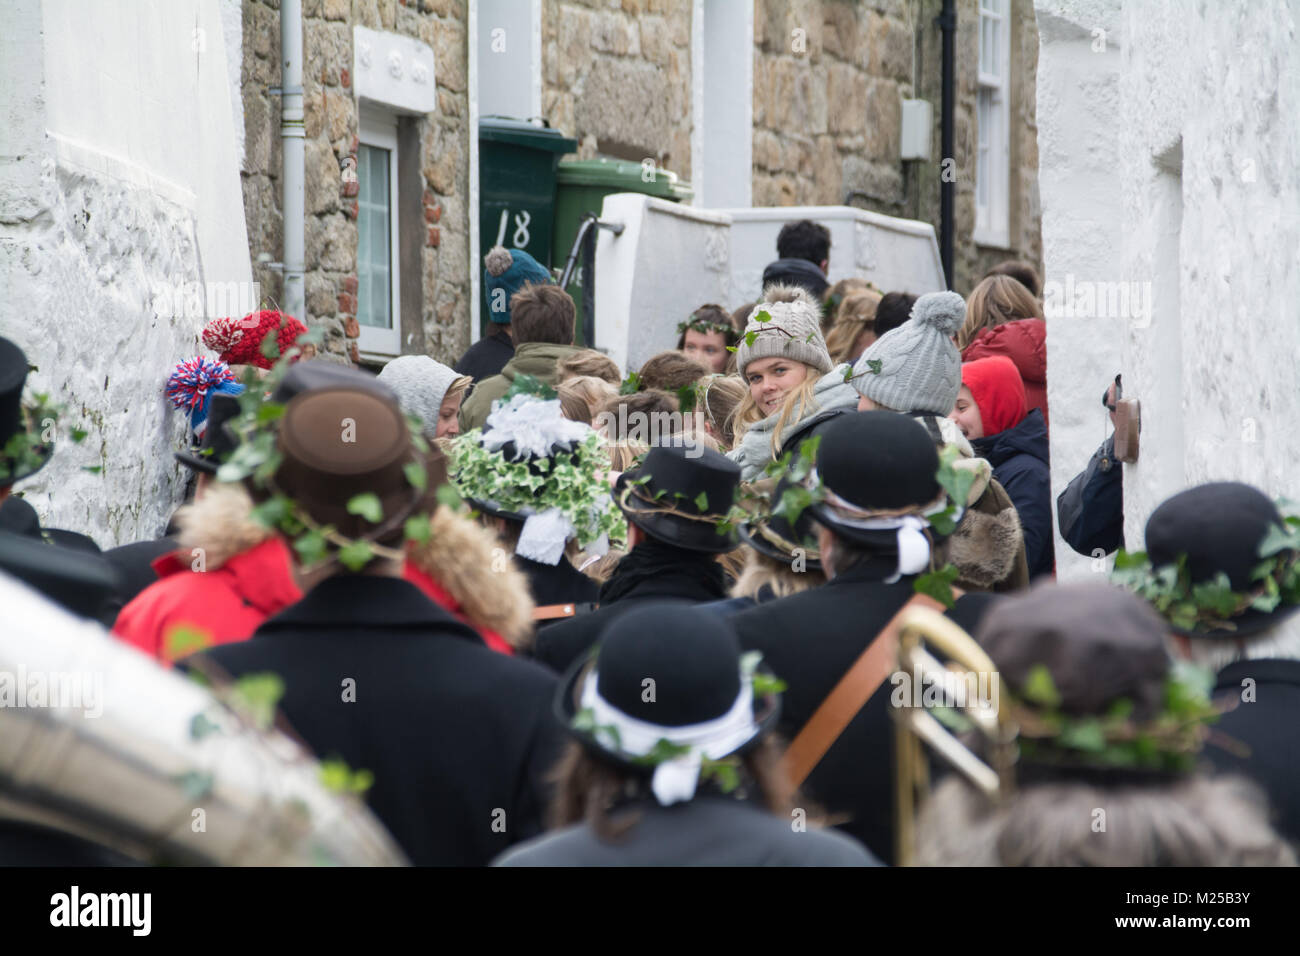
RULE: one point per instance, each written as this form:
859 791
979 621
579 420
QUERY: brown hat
1098 642
339 443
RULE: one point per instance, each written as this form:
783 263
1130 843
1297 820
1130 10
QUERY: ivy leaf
183 640
271 512
338 777
1278 539
875 365
271 347
1040 688
195 784
368 506
631 385
448 496
686 396
269 412
79 435
529 385
938 584
749 338
201 726
417 529
762 315
702 501
416 475
1086 735
257 695
310 547
356 555
93 469
1216 596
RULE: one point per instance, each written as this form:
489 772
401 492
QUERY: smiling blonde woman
783 359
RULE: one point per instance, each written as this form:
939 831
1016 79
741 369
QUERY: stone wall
617 77
829 80
331 119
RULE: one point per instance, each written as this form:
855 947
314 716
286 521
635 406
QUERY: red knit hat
239 341
998 390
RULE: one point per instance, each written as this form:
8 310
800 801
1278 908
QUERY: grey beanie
793 331
917 367
421 384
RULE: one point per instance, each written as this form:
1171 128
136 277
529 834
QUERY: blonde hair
761 571
995 301
588 362
719 396
623 453
591 391
747 413
857 314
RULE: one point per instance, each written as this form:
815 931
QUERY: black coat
1091 508
486 357
561 583
810 640
134 562
707 831
1020 465
1270 726
652 571
453 732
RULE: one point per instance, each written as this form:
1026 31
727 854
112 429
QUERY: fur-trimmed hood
221 523
470 563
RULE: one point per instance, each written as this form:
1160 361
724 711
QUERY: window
379 311
992 157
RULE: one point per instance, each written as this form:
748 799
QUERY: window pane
374 240
984 117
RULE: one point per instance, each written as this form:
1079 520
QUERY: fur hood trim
469 561
984 548
221 523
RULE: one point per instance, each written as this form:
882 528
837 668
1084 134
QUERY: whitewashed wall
129 186
1176 162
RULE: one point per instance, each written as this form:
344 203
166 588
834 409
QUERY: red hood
262 575
1024 341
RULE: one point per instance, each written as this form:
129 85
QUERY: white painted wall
1176 162
130 185
668 261
899 255
508 48
722 81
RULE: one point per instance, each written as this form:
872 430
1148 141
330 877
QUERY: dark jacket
800 272
652 571
1269 726
558 584
810 640
537 359
1020 465
486 357
135 563
706 831
458 737
1091 508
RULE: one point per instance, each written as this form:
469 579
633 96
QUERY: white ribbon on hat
913 545
534 425
674 780
544 536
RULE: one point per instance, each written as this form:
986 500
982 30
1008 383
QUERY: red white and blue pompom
192 384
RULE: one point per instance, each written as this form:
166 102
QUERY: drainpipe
292 142
947 22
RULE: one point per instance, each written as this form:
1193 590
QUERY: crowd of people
651 616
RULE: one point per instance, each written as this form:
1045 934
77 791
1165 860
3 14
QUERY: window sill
988 239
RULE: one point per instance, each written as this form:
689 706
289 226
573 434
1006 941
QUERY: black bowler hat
680 495
774 536
83 583
694 659
17 420
218 442
875 466
1219 527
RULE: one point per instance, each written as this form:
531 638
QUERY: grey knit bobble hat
793 331
421 384
919 367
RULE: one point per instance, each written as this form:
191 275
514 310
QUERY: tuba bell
100 745
988 762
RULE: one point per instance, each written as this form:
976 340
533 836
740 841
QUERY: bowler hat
773 535
1218 527
338 443
697 688
83 583
16 421
680 494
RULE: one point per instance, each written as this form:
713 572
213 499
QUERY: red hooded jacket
1024 341
995 386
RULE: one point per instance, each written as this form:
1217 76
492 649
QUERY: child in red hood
992 413
1002 319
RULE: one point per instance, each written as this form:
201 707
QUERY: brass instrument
98 741
990 722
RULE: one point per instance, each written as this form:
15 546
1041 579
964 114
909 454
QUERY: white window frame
992 217
379 129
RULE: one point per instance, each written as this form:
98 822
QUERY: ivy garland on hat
531 464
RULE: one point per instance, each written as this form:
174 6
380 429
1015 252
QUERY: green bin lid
500 129
622 175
